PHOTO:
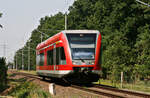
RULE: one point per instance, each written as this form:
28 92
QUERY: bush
3 74
29 90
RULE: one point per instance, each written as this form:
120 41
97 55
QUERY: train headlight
74 63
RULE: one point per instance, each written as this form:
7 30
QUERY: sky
21 17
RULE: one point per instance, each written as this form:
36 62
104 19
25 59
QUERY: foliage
28 90
3 74
139 86
143 53
124 25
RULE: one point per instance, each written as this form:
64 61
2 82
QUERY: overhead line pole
29 57
22 61
16 63
66 21
17 60
41 37
66 16
23 58
12 66
4 46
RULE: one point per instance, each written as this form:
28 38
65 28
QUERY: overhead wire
143 3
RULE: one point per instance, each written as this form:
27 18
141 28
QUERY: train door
57 58
50 60
54 58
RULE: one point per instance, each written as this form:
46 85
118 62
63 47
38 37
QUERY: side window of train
41 57
50 57
62 56
38 59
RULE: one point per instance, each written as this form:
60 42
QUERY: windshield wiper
81 60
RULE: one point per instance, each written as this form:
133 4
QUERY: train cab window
40 59
50 57
82 46
62 56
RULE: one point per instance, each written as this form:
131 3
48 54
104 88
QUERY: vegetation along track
101 89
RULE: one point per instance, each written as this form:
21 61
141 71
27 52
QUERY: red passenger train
73 55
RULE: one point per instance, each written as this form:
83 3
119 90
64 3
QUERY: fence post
121 79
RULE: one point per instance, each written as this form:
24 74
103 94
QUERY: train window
62 56
40 59
50 57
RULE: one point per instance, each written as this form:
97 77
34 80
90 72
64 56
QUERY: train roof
55 37
80 31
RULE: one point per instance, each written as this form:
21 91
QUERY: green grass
25 71
138 86
26 89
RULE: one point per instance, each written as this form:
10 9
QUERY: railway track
100 89
28 75
126 92
112 92
97 92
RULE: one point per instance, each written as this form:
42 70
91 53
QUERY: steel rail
97 92
123 91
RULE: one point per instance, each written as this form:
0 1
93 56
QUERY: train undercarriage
80 75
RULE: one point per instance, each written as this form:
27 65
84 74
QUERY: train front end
85 54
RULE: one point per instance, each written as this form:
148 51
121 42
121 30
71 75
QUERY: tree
143 53
3 75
